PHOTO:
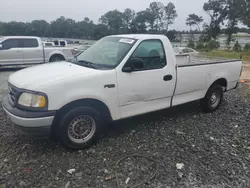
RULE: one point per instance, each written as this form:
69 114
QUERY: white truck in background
24 50
48 44
118 77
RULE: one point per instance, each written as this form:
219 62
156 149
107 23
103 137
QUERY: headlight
32 100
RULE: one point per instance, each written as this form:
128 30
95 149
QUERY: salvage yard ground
179 147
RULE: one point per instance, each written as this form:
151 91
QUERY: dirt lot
246 73
209 150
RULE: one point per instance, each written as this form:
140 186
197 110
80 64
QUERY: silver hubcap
81 129
215 99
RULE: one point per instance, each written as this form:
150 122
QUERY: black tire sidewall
68 117
56 59
205 103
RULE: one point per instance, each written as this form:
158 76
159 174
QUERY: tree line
156 18
225 15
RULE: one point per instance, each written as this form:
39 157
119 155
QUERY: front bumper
29 122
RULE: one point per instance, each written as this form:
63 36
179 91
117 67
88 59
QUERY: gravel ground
3 83
178 147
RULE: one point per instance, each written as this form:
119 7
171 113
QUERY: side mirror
133 64
1 46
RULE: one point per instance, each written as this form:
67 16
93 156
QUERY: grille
13 92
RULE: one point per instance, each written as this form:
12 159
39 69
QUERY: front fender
58 97
83 94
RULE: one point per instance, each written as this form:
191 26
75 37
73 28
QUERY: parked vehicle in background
80 48
76 42
118 77
23 50
46 44
62 43
185 51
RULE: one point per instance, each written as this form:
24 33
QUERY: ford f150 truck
118 77
22 50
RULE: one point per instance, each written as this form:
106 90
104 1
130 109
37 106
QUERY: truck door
150 85
11 52
32 51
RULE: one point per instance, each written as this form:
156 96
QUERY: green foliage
200 45
154 15
100 31
229 54
237 47
247 47
128 17
191 43
154 19
212 45
194 19
233 15
217 11
138 25
171 35
244 9
231 29
220 10
170 14
114 20
207 46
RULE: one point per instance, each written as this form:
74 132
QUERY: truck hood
34 77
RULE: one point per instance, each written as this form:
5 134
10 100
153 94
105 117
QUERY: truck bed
195 60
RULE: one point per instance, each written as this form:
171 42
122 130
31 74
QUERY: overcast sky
28 10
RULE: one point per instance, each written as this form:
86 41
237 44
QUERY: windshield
1 39
107 52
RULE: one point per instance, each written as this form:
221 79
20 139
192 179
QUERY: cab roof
141 36
18 37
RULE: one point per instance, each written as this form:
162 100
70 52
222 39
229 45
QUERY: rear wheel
213 99
79 127
56 58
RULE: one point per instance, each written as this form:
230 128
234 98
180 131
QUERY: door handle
168 77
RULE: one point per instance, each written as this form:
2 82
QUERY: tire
74 129
56 59
213 99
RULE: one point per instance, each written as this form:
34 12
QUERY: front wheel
79 127
213 99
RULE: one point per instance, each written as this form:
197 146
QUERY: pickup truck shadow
11 69
120 127
117 128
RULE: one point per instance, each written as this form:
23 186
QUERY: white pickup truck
22 50
118 77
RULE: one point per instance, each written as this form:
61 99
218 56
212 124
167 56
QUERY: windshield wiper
86 63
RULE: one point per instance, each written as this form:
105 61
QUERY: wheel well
98 105
222 82
56 55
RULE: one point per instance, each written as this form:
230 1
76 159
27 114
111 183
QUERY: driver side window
11 43
151 53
